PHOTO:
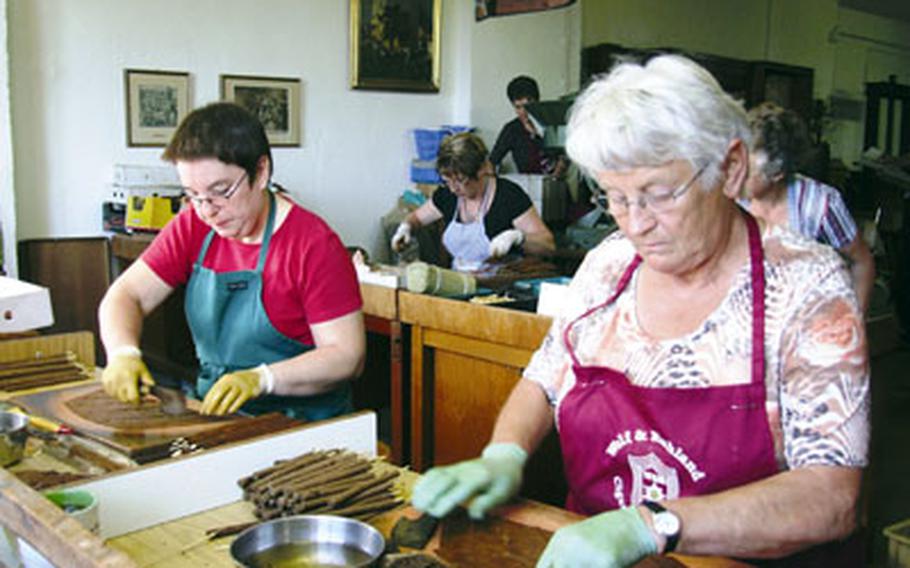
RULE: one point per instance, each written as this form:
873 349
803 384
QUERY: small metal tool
173 401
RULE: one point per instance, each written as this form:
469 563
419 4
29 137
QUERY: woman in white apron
485 216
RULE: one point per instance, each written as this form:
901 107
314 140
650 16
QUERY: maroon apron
623 443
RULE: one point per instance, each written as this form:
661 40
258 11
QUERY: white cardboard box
23 306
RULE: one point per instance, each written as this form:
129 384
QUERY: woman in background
486 216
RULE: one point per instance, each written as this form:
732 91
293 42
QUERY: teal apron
232 332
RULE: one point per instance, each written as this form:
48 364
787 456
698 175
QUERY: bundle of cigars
41 370
322 482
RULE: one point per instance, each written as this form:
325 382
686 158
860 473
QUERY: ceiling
897 9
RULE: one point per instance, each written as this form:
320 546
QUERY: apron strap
620 286
267 235
757 261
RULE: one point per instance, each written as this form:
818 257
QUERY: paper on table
552 298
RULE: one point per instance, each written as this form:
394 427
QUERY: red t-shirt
308 276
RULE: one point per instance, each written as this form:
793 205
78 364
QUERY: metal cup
13 434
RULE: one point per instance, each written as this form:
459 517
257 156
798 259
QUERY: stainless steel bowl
13 434
308 540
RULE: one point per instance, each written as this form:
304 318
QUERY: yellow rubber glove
232 390
491 480
124 375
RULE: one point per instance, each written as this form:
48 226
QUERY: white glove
402 236
504 241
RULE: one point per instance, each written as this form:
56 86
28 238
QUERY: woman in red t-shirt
272 299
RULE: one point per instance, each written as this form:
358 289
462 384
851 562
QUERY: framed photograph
275 100
156 102
395 45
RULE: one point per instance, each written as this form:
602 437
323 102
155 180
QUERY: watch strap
672 539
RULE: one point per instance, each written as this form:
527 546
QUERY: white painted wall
66 67
7 195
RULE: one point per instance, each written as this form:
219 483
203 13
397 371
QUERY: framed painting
274 100
156 102
395 45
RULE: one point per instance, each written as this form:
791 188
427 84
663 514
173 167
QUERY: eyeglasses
617 203
454 181
217 198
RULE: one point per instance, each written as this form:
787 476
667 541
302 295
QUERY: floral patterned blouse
817 374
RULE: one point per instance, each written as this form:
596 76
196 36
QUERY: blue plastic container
424 172
427 142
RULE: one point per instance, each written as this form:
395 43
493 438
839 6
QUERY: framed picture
156 102
275 100
395 45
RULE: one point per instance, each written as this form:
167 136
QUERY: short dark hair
463 154
782 135
523 87
225 131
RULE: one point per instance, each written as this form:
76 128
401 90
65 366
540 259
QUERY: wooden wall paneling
77 272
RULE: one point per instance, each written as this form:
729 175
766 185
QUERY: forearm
338 356
120 320
863 274
316 371
525 418
539 243
773 517
862 269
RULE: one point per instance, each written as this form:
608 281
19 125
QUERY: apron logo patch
652 479
629 437
236 286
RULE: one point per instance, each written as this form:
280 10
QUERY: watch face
666 523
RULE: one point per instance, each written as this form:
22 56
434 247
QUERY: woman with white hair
709 376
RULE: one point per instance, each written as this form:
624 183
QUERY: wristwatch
666 524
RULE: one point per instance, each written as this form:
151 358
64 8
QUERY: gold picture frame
274 100
156 102
404 60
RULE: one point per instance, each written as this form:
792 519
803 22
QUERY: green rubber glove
492 479
614 539
124 375
231 391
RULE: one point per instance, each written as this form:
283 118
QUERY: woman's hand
609 540
491 479
232 391
401 237
124 375
504 241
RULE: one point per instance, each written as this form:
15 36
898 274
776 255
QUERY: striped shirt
818 211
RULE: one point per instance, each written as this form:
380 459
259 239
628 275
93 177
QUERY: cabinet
77 273
751 81
465 359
